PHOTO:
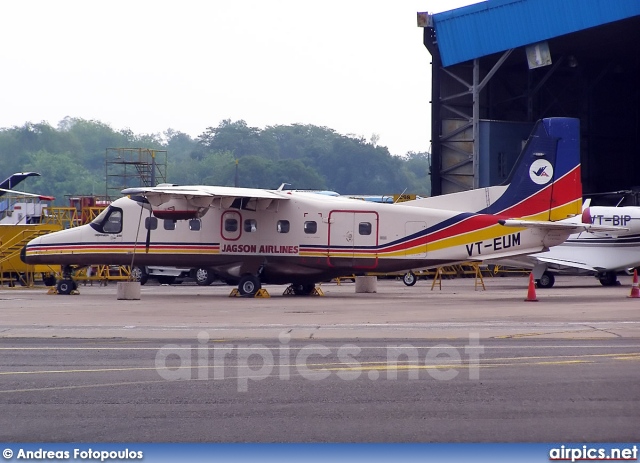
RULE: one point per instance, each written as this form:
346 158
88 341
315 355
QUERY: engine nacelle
178 209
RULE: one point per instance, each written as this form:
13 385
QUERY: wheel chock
262 293
290 292
53 290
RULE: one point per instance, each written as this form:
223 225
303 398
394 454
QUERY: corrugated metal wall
497 25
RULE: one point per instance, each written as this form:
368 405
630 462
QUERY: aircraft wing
572 227
200 197
564 263
204 191
531 260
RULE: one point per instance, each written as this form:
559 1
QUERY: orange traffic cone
531 294
635 292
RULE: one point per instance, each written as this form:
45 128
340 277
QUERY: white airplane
254 236
602 254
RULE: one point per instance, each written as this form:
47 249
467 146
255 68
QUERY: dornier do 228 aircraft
254 236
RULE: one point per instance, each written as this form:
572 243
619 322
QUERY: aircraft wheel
608 279
249 285
138 274
204 276
303 290
547 280
65 286
409 279
22 279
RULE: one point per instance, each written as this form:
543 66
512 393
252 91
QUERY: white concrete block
129 290
366 284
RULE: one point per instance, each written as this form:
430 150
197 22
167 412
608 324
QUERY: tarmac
575 308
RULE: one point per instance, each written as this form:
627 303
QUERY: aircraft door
353 239
417 251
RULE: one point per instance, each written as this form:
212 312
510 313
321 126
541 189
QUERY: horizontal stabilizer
572 227
23 193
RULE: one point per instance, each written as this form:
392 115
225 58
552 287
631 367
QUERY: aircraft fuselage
300 238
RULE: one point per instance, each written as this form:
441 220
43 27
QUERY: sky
355 66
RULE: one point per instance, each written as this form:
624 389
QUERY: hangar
499 65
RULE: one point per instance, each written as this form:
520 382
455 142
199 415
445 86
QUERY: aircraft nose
30 259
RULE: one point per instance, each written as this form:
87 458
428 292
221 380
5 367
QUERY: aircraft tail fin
12 181
544 183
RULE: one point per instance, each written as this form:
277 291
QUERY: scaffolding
133 167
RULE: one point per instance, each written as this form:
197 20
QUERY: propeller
148 240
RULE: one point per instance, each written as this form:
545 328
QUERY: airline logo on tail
541 171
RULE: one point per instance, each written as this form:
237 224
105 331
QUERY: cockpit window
108 221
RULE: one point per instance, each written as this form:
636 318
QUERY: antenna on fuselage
281 187
400 196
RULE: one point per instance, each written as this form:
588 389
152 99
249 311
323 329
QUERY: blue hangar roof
493 26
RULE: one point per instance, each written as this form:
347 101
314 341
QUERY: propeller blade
148 240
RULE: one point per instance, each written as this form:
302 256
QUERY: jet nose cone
23 254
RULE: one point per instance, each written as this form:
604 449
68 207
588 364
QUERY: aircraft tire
409 279
608 279
138 274
204 276
249 285
547 280
65 286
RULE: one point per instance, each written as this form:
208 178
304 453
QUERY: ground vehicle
164 275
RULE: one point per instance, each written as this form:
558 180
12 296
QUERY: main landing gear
608 278
547 280
249 285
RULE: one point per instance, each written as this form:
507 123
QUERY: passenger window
113 224
283 226
250 225
169 224
310 227
151 223
231 225
364 228
195 224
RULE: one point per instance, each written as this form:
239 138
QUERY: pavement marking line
276 374
526 335
514 361
406 344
